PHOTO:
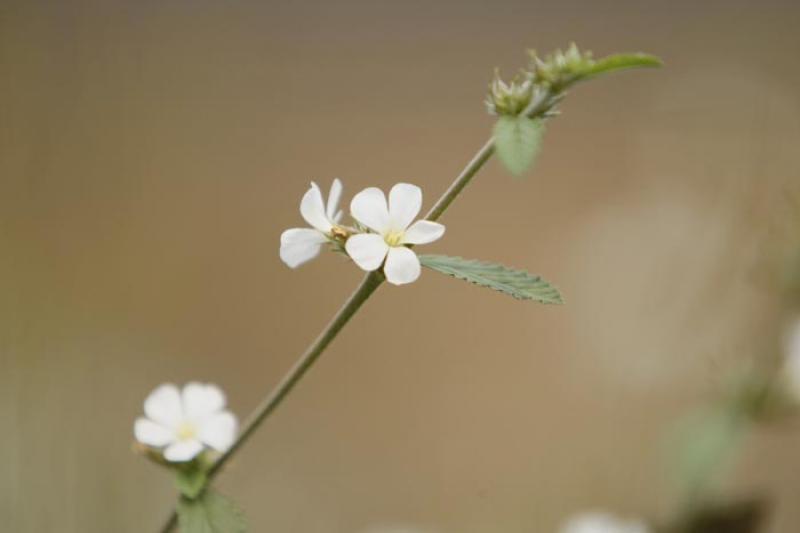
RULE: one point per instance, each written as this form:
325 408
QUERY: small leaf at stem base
210 513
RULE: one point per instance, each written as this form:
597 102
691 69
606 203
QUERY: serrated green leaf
517 140
190 481
516 283
210 513
618 62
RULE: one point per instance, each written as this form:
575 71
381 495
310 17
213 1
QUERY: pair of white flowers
183 423
388 230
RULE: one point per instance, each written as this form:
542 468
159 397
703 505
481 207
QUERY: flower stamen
394 238
186 431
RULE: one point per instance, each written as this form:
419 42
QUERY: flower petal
300 245
334 195
219 431
405 201
163 405
369 208
367 250
183 450
313 209
202 400
152 433
423 232
402 266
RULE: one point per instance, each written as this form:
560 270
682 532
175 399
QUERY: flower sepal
191 478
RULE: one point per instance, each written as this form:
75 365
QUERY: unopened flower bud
560 67
509 98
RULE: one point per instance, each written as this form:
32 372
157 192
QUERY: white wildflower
791 368
184 423
299 245
394 231
600 522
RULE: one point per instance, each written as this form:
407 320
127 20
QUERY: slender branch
461 181
371 282
538 108
171 522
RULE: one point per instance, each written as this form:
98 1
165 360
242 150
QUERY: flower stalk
541 105
368 285
539 108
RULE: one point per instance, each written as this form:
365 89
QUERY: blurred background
152 152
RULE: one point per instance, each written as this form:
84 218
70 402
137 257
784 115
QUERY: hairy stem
538 108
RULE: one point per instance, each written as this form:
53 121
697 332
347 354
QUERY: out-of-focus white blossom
396 528
791 368
182 423
600 522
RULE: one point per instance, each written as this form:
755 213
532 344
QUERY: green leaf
618 62
517 140
191 481
706 441
210 513
516 283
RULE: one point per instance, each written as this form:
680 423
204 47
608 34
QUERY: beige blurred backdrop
153 151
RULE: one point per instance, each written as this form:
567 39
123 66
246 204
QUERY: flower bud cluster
509 98
552 73
561 67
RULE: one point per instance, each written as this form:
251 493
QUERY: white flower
791 368
183 423
599 522
395 528
299 245
394 231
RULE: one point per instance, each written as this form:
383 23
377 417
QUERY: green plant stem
461 181
371 282
538 108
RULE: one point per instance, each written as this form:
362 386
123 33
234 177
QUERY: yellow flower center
394 238
187 431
